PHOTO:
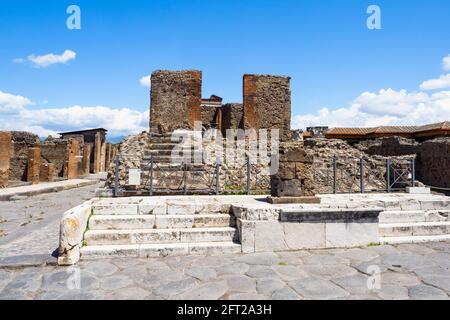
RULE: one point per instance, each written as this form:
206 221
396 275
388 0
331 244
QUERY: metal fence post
116 176
185 178
217 178
388 175
361 171
334 174
248 174
413 172
151 175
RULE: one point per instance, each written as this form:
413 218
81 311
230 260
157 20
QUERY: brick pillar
87 159
103 157
109 150
47 172
33 165
97 152
72 160
5 156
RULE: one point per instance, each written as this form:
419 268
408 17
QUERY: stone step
116 222
175 235
162 146
414 216
170 167
414 229
159 250
414 239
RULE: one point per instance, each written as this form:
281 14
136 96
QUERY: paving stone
233 268
415 248
424 292
437 281
240 283
257 271
5 278
290 272
442 259
176 287
136 272
324 259
399 279
285 293
329 271
67 279
247 296
407 261
315 288
265 258
27 282
82 295
356 284
116 282
268 286
367 267
357 254
390 292
202 273
292 257
156 265
383 249
14 295
100 268
130 293
208 291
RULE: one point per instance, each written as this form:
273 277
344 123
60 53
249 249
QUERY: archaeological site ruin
215 177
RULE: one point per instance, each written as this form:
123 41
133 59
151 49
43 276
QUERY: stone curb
48 190
25 261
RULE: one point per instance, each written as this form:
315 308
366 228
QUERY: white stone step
159 250
414 229
153 236
414 239
414 216
126 222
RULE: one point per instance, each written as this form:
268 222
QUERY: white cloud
440 83
47 60
446 63
14 115
145 81
387 107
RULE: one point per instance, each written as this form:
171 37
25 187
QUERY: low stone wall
263 229
388 147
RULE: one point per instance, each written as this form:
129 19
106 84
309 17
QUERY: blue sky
334 60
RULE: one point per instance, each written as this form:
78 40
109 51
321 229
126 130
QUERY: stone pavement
407 271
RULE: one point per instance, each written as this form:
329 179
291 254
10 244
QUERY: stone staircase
135 231
168 170
414 226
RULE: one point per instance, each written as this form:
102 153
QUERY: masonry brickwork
47 172
175 100
5 156
72 166
267 103
433 162
34 165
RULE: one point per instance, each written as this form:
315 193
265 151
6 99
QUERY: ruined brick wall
55 152
33 165
22 141
390 146
5 155
433 162
175 100
232 116
208 115
267 103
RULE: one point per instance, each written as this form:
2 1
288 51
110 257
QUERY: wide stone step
414 239
414 229
414 216
159 250
117 222
176 235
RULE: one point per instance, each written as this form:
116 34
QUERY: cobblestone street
408 271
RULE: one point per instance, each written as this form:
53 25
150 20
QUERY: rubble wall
267 103
175 100
390 146
232 116
433 163
56 152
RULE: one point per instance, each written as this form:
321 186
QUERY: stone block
246 235
351 234
34 164
304 235
418 190
116 209
269 236
285 188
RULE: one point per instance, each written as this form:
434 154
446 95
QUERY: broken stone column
72 159
103 157
33 165
87 159
5 156
295 168
267 103
176 98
